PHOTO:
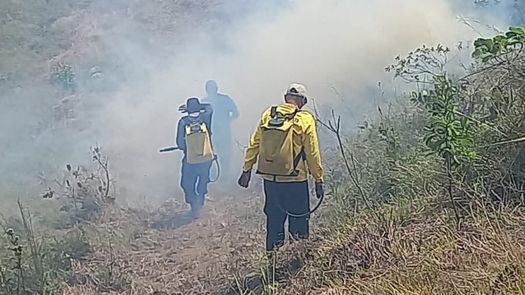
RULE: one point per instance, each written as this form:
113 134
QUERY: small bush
63 76
85 190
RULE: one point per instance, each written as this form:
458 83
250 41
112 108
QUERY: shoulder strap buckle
273 111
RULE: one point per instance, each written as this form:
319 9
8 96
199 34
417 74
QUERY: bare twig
515 140
450 177
334 126
33 247
104 164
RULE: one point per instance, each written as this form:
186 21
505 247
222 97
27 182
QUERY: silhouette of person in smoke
224 112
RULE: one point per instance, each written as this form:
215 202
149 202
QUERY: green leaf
516 31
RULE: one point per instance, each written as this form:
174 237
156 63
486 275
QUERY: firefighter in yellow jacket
285 147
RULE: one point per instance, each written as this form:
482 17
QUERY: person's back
193 118
224 112
304 148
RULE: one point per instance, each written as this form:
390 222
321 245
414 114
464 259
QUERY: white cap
297 89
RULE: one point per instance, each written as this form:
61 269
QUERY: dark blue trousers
194 182
281 197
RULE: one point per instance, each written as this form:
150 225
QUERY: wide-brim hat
193 105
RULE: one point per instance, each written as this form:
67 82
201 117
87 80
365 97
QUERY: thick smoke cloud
326 44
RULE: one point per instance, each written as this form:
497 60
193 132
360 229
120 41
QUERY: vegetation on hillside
442 208
428 199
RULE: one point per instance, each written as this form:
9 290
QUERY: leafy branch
447 134
420 64
501 47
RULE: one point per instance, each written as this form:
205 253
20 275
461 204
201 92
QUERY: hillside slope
427 198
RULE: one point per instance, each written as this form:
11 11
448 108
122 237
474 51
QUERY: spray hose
319 203
216 161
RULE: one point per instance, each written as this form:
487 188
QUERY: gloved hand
319 189
182 108
244 180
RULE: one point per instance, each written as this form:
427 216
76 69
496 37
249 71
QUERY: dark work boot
298 237
196 210
274 245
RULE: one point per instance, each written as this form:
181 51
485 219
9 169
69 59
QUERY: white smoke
324 44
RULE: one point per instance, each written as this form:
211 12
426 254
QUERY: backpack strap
301 156
273 111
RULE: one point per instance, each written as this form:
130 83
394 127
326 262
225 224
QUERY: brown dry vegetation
166 252
39 32
388 227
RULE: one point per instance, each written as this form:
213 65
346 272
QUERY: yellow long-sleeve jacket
305 138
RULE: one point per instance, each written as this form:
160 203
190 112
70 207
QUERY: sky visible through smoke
326 44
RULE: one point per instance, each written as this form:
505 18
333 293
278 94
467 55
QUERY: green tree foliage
467 117
448 134
493 48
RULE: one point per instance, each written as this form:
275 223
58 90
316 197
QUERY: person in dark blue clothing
224 112
194 139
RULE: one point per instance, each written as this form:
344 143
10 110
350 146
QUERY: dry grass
162 251
426 255
433 258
